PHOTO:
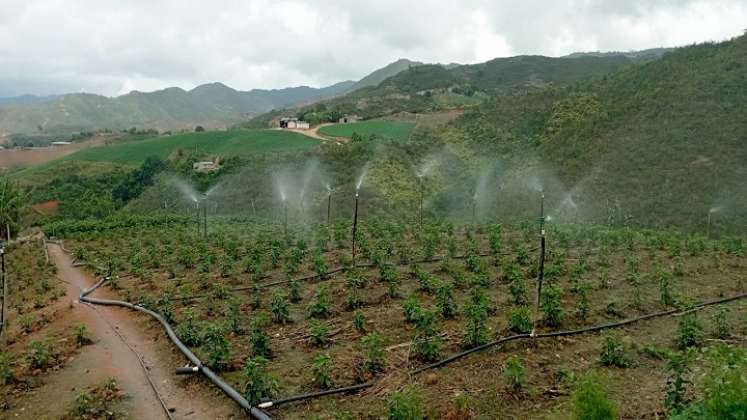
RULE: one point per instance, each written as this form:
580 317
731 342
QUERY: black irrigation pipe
301 397
198 365
575 332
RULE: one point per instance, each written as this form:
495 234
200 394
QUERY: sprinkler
541 270
708 220
420 213
197 215
204 212
355 226
285 218
329 206
474 208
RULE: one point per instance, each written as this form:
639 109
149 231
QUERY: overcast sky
111 47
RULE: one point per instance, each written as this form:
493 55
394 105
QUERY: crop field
222 143
280 315
394 130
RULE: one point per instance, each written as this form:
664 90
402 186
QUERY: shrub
613 352
582 306
664 279
259 384
232 312
518 289
322 370
445 301
188 331
320 306
217 347
373 347
319 334
294 291
677 367
406 405
721 326
476 333
279 307
359 321
7 363
427 339
320 264
689 331
41 353
82 336
514 374
550 305
589 400
411 309
258 338
520 320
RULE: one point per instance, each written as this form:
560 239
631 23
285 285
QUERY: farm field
394 130
247 296
222 143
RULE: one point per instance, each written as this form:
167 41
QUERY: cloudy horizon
111 48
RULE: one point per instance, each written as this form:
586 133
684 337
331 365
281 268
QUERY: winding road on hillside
121 337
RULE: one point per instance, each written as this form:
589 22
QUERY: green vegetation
590 401
391 130
406 405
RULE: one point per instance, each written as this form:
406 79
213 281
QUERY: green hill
394 130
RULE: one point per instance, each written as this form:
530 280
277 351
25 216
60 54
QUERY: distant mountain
385 72
647 54
212 104
24 100
428 87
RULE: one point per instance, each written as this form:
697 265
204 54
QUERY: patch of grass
394 130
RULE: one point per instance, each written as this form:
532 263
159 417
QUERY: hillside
429 87
385 72
173 108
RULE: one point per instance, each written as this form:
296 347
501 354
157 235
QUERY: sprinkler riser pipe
355 227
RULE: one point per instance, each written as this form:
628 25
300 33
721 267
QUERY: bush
589 400
7 363
320 306
41 354
550 305
445 302
188 331
258 338
319 334
217 347
259 384
411 310
279 307
373 347
427 339
476 333
82 336
613 352
520 320
322 370
689 331
406 405
514 374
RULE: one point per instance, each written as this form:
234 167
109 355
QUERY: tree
12 200
199 129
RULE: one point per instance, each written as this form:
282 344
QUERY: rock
431 379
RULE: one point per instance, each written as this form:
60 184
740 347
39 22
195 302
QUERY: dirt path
314 133
109 357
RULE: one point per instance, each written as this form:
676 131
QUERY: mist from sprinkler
711 212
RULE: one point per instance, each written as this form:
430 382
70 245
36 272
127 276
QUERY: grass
399 131
224 143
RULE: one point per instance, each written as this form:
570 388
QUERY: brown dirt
109 357
13 158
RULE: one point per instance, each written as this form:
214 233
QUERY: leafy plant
590 401
689 331
258 338
217 347
41 353
320 306
406 405
445 302
359 321
514 374
82 335
7 363
550 305
259 383
319 334
373 347
322 371
427 340
520 320
279 306
677 366
476 312
721 327
411 309
613 352
188 330
294 291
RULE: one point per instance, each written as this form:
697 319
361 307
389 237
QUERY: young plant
445 302
82 336
689 331
520 320
613 352
7 363
259 339
590 401
279 306
517 287
294 291
322 371
677 367
188 331
41 353
406 405
359 321
320 306
427 339
720 322
259 384
550 305
411 310
232 312
476 312
320 264
373 347
319 334
665 279
514 374
217 347
582 306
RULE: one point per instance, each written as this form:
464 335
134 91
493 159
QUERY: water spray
708 220
285 218
541 269
329 205
355 226
420 210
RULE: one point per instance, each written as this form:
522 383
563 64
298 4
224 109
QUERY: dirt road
110 357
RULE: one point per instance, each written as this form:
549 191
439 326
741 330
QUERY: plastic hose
205 370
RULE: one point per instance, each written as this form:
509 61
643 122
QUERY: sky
111 47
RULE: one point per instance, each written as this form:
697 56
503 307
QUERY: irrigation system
541 270
355 226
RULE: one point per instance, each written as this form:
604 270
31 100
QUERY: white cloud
111 47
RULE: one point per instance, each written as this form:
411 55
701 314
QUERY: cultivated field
394 130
